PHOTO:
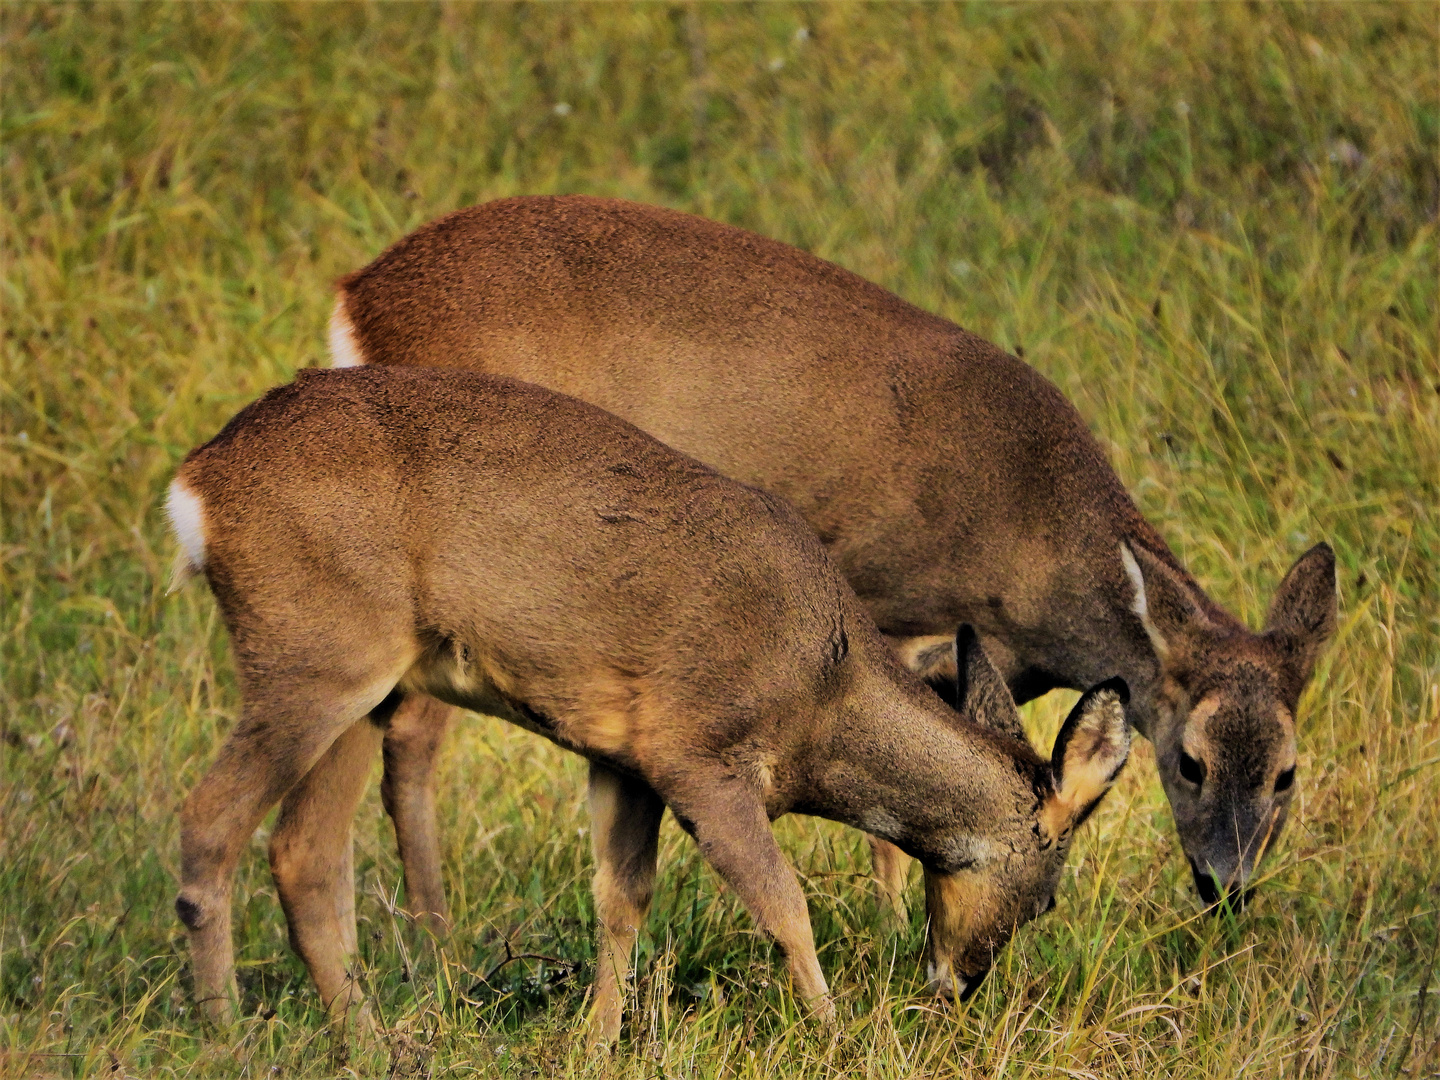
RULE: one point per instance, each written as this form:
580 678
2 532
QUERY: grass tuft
1213 226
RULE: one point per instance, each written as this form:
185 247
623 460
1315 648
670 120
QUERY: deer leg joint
190 913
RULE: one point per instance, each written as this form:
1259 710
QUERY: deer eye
1284 780
1191 769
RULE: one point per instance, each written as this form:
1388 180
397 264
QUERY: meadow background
1212 225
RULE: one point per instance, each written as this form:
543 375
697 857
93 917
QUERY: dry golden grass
1213 226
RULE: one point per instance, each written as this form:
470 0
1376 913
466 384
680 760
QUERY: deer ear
1089 753
1303 613
981 695
1163 600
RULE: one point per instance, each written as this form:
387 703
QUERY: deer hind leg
625 823
311 860
413 736
733 831
269 751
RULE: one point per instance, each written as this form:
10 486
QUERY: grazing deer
950 481
383 533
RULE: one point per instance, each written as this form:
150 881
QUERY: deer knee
192 912
296 863
640 884
203 909
206 858
621 899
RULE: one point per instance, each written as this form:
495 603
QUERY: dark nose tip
1211 892
1205 884
972 983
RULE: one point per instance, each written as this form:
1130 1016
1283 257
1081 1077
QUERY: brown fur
501 547
950 481
413 734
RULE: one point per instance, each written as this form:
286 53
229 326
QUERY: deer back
951 482
521 549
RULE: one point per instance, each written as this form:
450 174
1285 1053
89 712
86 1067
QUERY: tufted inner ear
1090 751
1162 600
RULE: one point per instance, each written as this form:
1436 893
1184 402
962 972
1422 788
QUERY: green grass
1213 226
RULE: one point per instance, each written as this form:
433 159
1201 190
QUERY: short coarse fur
949 480
380 533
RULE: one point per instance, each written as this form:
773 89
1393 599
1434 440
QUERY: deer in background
950 482
371 536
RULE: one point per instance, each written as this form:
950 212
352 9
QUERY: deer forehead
1202 741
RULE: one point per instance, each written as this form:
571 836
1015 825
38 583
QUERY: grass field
1215 227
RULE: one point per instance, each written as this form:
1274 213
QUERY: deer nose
1211 892
1205 884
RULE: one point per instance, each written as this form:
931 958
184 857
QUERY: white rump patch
187 522
344 352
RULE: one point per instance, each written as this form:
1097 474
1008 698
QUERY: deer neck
904 767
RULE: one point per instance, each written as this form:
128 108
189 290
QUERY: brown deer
377 534
949 480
